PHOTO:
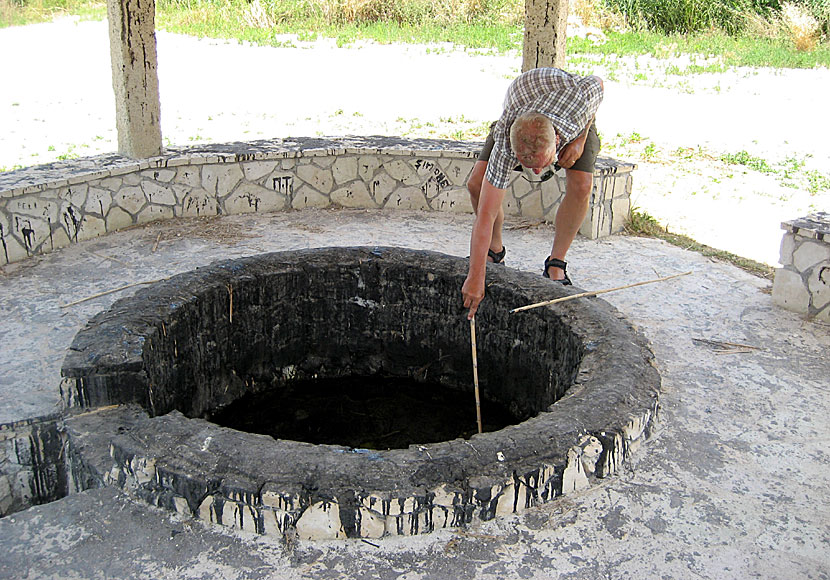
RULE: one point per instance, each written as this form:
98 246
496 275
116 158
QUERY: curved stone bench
47 207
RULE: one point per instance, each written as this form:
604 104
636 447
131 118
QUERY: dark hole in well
374 412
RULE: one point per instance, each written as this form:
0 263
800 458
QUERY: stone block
787 249
117 218
818 285
321 180
189 176
162 175
130 199
531 205
257 170
158 194
307 197
407 198
320 521
399 170
355 195
153 213
809 253
250 198
221 179
789 291
92 227
344 170
98 201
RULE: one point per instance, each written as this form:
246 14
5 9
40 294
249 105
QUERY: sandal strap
497 257
557 263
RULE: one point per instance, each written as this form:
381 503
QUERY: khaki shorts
585 163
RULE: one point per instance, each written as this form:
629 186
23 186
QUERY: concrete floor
732 485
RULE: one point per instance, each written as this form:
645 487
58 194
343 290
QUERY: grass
640 223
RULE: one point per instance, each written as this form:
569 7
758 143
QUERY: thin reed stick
475 371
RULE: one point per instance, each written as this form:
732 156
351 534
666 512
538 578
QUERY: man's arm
489 203
571 152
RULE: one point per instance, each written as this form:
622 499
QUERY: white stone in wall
399 170
92 227
319 179
98 201
372 524
117 218
787 248
256 170
457 171
307 197
344 170
320 521
407 198
620 210
552 193
59 239
381 187
34 207
789 291
250 198
810 253
574 478
197 203
275 522
452 200
181 507
189 175
221 178
366 167
531 206
163 175
287 164
354 195
14 249
111 184
130 199
74 194
152 213
158 194
131 178
819 285
506 500
509 204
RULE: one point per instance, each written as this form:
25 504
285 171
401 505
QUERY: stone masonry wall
802 284
47 207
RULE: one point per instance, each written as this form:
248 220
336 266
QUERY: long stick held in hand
475 371
595 292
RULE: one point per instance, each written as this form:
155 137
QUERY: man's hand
571 152
473 293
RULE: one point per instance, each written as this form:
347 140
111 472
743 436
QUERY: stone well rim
613 402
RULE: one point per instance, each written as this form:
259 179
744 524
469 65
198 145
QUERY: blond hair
531 134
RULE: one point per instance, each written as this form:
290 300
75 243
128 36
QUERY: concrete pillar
135 76
545 34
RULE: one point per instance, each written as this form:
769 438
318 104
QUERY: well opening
307 347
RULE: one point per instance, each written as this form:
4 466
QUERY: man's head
533 140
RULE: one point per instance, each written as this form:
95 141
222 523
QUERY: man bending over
548 119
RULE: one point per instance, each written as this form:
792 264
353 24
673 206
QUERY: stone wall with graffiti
47 207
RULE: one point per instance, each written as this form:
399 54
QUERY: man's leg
474 187
570 214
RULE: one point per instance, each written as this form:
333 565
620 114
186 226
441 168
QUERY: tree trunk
545 33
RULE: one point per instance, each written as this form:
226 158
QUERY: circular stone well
156 365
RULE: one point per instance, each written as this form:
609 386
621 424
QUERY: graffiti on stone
283 184
436 181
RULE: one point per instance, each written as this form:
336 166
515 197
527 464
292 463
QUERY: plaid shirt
569 101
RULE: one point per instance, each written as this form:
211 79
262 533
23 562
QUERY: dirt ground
677 126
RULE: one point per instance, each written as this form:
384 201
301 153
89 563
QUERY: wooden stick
156 245
595 292
475 371
105 257
105 292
